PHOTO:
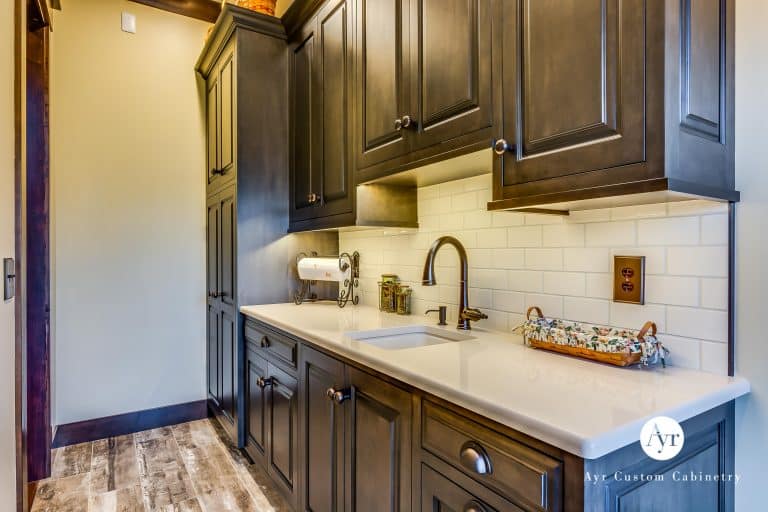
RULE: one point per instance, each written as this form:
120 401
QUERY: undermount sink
412 336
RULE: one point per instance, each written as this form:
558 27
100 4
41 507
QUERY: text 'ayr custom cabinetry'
244 66
336 436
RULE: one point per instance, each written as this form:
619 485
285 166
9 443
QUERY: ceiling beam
206 10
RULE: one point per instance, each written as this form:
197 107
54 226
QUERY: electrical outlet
629 279
128 22
9 278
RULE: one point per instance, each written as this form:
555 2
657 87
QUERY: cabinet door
212 126
304 148
379 455
452 64
256 405
334 69
212 359
322 432
228 235
282 448
382 79
572 103
227 114
228 366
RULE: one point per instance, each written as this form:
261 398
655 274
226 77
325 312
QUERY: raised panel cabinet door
322 432
256 404
379 452
228 368
282 447
576 102
227 264
305 123
212 359
213 247
212 126
227 114
452 64
382 80
335 66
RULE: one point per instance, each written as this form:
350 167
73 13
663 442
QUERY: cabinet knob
213 295
263 382
398 125
501 146
313 198
338 396
474 506
475 458
264 342
408 122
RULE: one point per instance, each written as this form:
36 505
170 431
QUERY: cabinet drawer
438 492
506 466
277 345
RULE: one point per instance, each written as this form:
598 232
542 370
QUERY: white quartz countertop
585 408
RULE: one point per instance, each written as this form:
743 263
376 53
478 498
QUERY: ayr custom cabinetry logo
662 438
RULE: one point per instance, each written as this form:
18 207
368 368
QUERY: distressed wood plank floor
190 467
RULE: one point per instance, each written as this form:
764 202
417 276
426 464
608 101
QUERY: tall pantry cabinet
250 259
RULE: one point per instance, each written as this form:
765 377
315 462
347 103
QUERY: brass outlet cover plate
629 279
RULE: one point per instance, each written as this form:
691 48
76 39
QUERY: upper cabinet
424 82
220 118
611 99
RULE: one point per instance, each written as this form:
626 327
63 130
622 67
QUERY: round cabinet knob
337 396
264 342
501 146
398 125
474 506
313 198
407 121
264 382
475 458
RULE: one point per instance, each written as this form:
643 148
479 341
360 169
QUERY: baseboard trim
128 423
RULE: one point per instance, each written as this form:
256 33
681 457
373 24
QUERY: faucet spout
466 314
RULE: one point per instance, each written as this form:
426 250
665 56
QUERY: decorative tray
620 347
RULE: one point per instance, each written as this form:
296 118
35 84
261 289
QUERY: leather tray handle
648 326
537 309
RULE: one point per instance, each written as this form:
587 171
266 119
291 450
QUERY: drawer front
271 343
438 492
512 469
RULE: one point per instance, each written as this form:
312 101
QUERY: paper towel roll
322 269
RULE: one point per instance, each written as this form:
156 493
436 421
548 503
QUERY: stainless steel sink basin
412 336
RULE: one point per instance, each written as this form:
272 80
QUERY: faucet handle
473 314
442 312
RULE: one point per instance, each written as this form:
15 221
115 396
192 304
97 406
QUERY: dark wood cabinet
282 447
321 67
256 405
629 98
220 119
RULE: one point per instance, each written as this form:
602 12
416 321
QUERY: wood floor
190 467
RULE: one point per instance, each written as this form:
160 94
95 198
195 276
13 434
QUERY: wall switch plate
629 279
128 22
9 278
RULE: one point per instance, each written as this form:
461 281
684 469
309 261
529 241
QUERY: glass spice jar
404 300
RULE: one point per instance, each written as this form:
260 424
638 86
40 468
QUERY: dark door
305 124
256 405
379 451
227 114
228 237
213 243
212 126
452 65
575 102
382 80
213 364
322 432
228 358
282 448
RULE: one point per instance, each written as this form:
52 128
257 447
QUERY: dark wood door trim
206 10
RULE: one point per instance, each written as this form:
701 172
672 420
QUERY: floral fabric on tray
594 337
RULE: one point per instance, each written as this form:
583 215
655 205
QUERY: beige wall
128 210
282 6
7 157
752 250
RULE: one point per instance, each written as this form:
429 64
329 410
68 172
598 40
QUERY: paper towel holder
346 289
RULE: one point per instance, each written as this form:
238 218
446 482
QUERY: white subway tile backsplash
714 293
565 283
544 259
587 260
706 261
668 231
680 291
611 234
594 311
563 235
564 265
704 324
714 230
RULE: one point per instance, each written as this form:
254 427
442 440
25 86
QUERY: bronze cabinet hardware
338 396
408 122
474 506
264 342
442 312
501 146
475 458
313 198
398 124
263 382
